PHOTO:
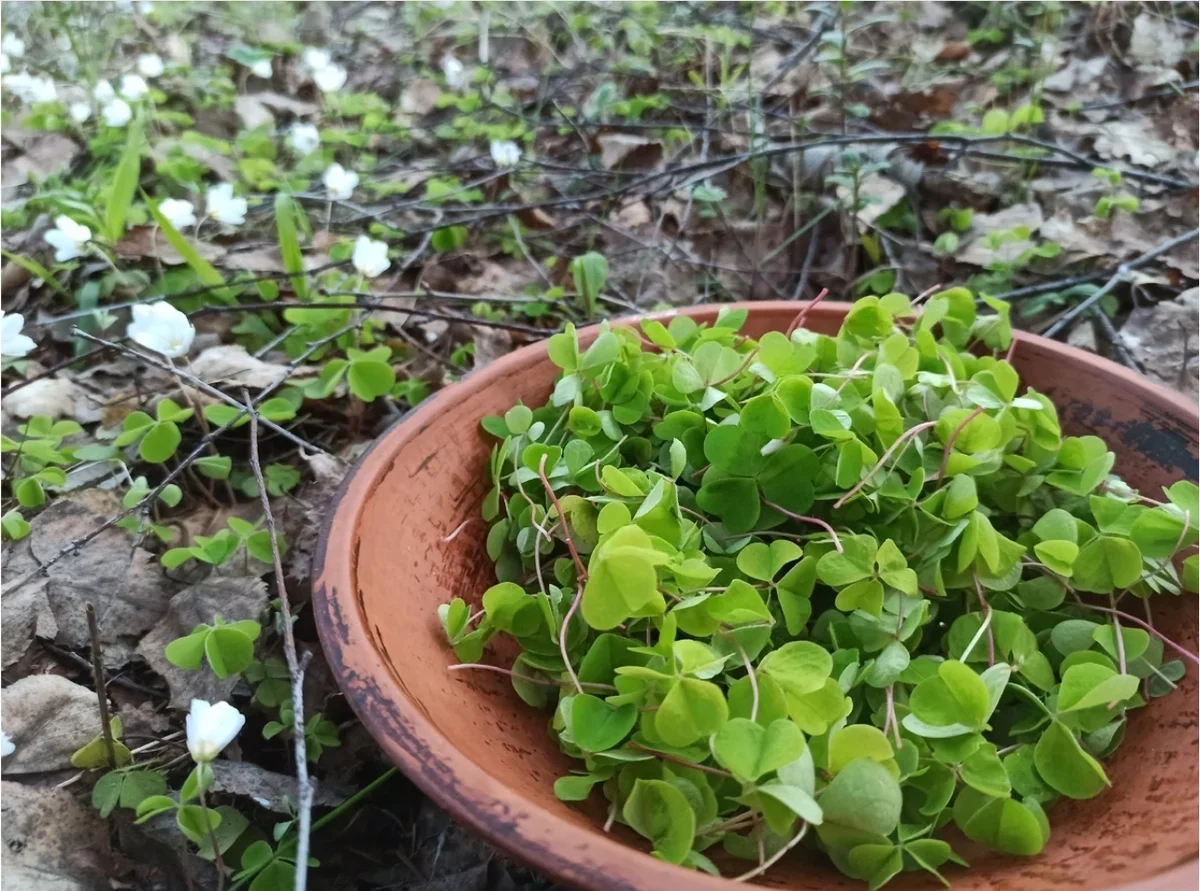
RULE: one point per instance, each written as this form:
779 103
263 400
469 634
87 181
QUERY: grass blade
289 244
40 271
205 271
125 182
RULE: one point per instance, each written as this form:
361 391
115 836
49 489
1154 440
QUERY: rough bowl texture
468 741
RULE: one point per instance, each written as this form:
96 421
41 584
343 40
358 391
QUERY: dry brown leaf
26 612
149 241
48 718
1163 337
977 253
42 155
234 598
125 583
490 345
631 216
279 102
1155 43
1135 140
57 397
419 97
52 842
1078 74
274 791
253 112
230 363
881 194
626 151
953 51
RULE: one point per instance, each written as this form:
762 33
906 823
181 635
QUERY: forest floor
1040 153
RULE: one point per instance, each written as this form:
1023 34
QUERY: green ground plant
844 591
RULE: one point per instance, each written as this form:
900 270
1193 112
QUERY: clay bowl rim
434 763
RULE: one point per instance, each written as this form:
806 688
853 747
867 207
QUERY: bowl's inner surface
436 480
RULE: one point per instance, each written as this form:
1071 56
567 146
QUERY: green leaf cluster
836 582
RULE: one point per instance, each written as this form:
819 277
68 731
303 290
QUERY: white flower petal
210 728
370 257
162 328
117 113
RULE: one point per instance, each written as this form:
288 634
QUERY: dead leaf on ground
490 345
1163 338
230 363
124 582
420 96
977 252
253 112
626 151
42 155
53 842
954 51
1078 75
233 599
57 397
48 718
632 216
880 194
149 241
274 791
1135 140
1155 43
302 517
26 610
279 102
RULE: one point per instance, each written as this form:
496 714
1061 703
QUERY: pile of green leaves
830 590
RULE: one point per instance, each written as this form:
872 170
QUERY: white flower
339 182
43 90
80 112
18 84
224 207
150 65
67 238
455 72
370 257
505 154
13 45
330 79
164 329
13 343
104 92
261 68
117 113
29 88
315 59
5 65
210 728
133 87
304 139
179 213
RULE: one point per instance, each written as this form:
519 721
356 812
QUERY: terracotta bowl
383 566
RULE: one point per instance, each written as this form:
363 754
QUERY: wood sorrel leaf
749 750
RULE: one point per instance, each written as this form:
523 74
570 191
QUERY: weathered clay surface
469 742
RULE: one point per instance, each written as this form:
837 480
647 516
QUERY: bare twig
207 388
101 689
1068 318
304 790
